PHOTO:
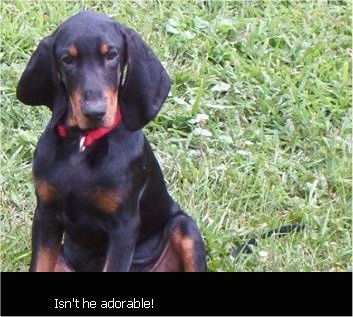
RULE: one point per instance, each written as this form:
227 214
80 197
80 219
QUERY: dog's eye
67 60
111 55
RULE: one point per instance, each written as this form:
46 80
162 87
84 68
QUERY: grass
272 83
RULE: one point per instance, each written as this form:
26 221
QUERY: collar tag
82 142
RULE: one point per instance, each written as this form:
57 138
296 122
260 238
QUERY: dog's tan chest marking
106 200
46 192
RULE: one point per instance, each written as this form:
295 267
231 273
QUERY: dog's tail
279 232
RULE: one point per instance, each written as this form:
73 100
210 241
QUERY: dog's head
89 67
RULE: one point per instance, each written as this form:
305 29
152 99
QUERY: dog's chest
82 180
99 179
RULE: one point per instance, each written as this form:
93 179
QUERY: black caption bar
208 294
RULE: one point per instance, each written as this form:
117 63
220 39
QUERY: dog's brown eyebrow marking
104 48
73 50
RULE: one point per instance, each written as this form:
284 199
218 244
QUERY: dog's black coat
103 206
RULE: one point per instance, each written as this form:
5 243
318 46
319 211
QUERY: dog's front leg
46 240
122 242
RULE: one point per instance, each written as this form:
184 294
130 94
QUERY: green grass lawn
255 134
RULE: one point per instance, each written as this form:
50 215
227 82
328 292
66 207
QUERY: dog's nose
94 110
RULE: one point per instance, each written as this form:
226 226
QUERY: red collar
87 138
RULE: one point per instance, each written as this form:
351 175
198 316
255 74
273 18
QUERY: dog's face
78 70
90 66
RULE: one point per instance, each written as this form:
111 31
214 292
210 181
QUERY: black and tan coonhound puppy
102 203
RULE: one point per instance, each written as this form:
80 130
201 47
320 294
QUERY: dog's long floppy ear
36 86
146 85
